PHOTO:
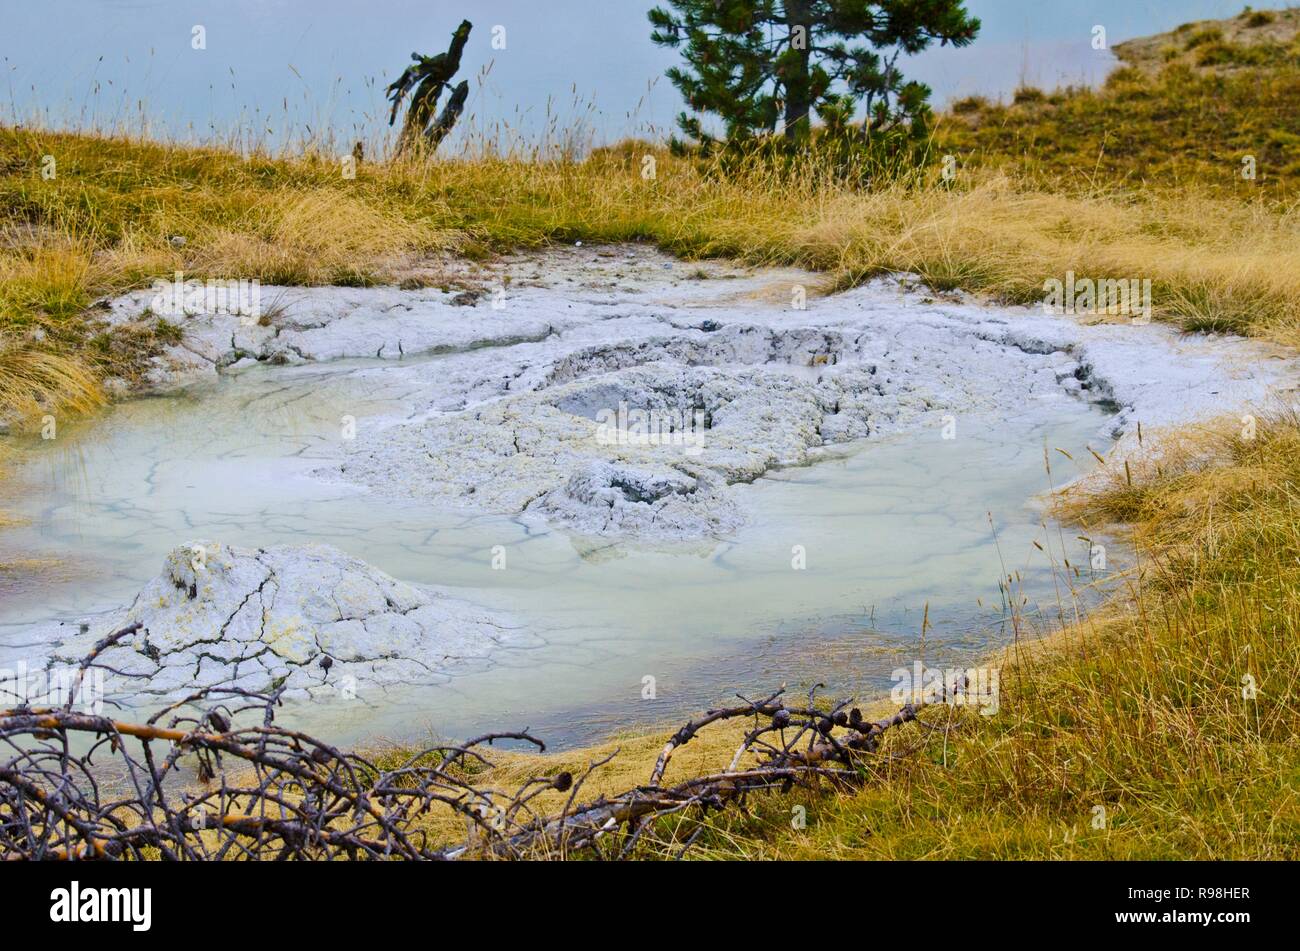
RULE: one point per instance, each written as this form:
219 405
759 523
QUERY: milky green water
887 527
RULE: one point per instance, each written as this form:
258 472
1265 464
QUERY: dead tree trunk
429 75
450 113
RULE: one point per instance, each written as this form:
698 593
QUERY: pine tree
755 63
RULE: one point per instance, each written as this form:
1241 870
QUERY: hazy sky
320 63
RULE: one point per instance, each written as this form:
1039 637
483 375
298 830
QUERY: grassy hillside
1182 112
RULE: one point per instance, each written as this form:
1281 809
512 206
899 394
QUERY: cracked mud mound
768 396
309 619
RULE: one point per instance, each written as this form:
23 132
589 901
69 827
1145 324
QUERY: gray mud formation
308 619
508 389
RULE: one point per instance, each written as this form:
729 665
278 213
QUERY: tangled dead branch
212 777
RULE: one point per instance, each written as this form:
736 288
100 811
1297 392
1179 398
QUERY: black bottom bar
336 900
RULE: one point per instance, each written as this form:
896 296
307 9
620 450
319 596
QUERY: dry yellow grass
34 381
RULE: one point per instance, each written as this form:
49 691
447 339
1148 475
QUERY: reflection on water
885 528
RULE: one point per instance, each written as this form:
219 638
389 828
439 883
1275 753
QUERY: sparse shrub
969 104
1231 54
1176 73
1211 34
1216 54
1028 94
1125 76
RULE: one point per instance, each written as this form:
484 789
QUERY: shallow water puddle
883 528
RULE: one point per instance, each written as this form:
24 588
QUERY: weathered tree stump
429 76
